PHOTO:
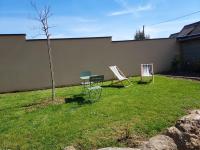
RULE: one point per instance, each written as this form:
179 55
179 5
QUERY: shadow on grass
113 86
78 99
144 82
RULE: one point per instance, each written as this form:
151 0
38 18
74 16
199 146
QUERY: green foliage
175 65
147 109
140 35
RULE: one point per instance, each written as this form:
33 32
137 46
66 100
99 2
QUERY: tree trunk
43 16
51 68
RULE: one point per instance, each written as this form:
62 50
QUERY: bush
175 65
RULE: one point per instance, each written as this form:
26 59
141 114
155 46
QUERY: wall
190 52
24 63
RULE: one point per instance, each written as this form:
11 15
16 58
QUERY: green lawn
143 109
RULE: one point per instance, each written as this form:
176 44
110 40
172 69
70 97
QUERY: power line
174 19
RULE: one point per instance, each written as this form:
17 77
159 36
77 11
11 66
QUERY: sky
96 18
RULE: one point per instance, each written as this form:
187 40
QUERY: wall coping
85 38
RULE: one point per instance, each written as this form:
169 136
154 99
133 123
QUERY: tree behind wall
43 16
140 35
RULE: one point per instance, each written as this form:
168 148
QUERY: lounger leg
129 82
153 78
112 82
122 83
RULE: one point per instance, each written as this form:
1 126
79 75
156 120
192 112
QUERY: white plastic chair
147 71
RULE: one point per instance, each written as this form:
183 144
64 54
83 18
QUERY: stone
186 132
194 112
116 148
69 148
160 142
176 135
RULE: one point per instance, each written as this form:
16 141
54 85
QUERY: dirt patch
33 106
184 75
128 138
131 141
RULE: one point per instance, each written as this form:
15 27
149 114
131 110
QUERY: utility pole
143 32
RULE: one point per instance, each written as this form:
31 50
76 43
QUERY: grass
142 109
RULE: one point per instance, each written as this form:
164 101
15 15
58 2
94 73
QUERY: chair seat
85 83
147 75
94 88
123 78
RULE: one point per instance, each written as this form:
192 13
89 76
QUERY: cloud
75 19
58 36
74 24
62 26
122 3
144 8
131 10
85 29
118 13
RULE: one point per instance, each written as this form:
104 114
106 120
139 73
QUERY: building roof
188 32
174 35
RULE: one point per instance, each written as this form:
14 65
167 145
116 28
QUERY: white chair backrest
117 72
146 69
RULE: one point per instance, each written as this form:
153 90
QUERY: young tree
43 16
140 35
